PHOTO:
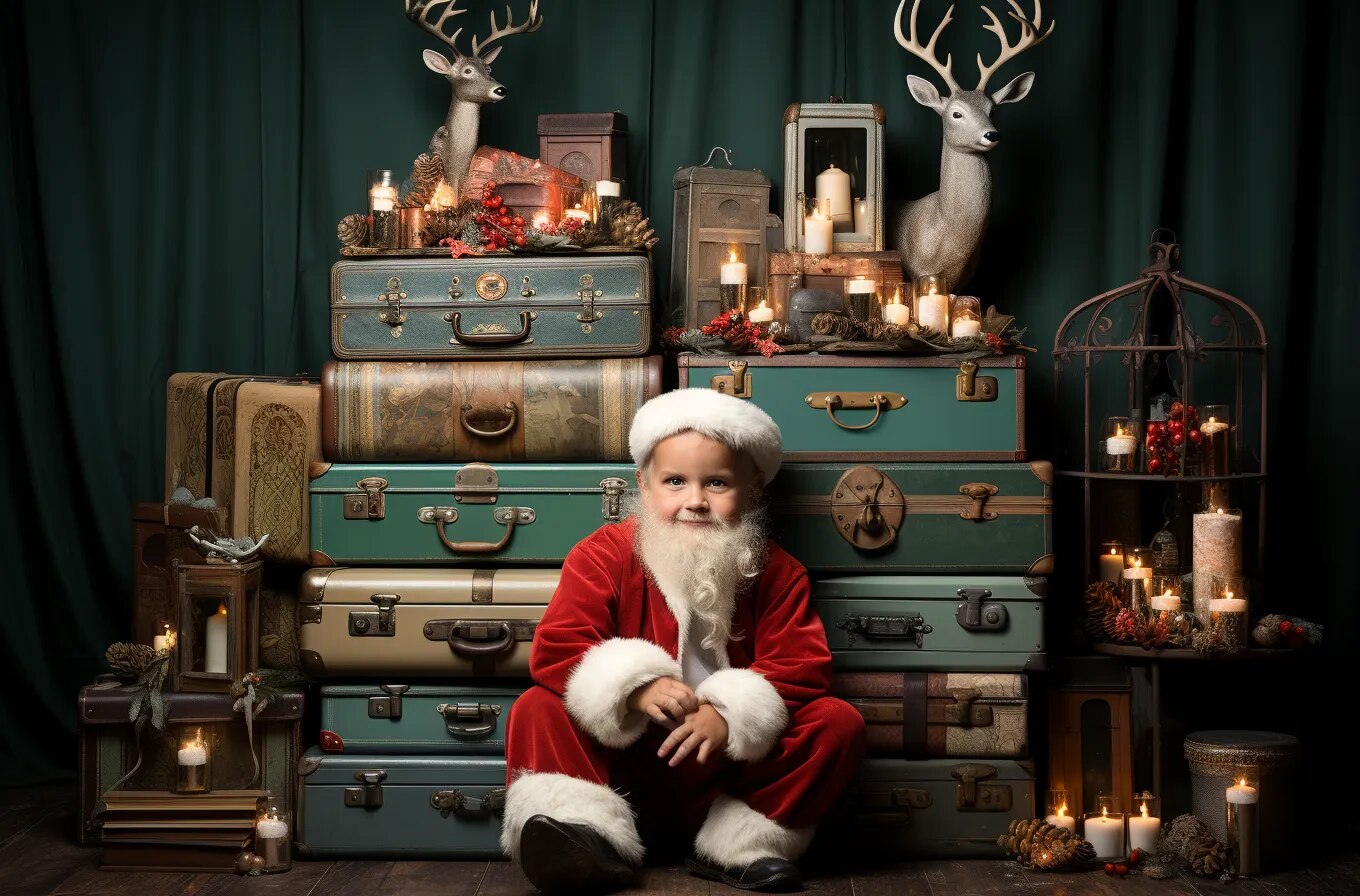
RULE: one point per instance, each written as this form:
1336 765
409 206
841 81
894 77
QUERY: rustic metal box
591 145
792 271
849 136
716 210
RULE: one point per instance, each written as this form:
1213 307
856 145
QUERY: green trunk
371 719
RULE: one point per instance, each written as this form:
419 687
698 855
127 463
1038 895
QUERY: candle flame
1113 551
817 215
1220 511
1104 812
764 305
1137 562
1228 595
1118 430
1144 809
1062 810
1212 421
1242 782
732 256
222 609
540 220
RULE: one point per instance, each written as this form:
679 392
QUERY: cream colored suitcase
277 444
420 622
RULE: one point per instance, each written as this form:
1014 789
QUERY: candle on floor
1145 827
1244 834
1105 832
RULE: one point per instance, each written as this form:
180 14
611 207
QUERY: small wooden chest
591 145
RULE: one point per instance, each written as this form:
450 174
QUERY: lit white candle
932 311
1242 793
733 271
965 328
163 641
193 752
1166 602
1227 604
578 213
215 641
861 286
762 314
383 198
1138 570
1144 830
897 314
817 233
1061 819
1111 565
271 828
1121 442
834 184
1106 834
1216 551
606 188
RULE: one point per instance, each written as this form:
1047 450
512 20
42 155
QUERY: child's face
693 480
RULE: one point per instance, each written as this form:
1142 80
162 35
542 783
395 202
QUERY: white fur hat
736 423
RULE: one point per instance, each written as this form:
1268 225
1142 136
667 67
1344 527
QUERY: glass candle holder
732 281
931 308
1228 612
758 310
193 764
1104 828
1121 446
382 209
965 317
1058 813
1136 579
1167 607
1215 443
273 842
817 227
1145 823
1110 563
861 297
897 305
1242 800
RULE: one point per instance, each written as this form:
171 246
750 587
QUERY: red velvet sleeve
583 612
790 642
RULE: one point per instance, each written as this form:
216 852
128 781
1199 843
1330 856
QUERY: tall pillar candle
732 284
1216 551
834 184
817 233
1110 563
215 642
1146 826
1244 832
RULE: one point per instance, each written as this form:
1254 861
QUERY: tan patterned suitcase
936 715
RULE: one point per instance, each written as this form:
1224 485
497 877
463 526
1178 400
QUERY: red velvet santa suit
609 630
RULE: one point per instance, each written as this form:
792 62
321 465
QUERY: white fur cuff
574 800
599 687
734 835
754 711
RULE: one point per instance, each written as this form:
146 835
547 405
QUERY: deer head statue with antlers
470 77
940 233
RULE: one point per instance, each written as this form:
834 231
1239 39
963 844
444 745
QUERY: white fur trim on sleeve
753 709
599 687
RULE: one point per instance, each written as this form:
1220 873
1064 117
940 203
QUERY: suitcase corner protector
1037 662
318 468
1043 471
312 663
319 558
1041 567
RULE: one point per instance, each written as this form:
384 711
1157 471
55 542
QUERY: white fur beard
704 566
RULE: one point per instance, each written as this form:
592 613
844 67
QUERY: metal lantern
218 634
835 151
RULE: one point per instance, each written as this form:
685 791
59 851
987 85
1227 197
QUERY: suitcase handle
455 320
478 547
465 647
510 408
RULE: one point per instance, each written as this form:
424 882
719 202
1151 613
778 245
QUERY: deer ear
1016 90
491 55
924 92
436 62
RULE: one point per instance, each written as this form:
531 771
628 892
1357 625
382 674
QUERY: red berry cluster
1294 635
1164 439
498 225
1122 868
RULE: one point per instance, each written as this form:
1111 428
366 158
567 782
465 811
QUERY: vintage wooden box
792 271
420 622
416 718
591 145
393 806
717 210
947 623
158 540
929 715
527 185
880 408
850 137
108 750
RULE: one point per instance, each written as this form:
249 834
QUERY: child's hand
704 729
666 700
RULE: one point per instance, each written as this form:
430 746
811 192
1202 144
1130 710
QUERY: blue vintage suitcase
878 409
924 517
399 807
942 623
415 718
461 513
569 306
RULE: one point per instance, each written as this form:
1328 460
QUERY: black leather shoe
562 857
769 874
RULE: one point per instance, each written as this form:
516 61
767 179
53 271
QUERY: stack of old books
147 830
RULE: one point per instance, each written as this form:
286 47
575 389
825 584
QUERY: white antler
532 23
927 52
1029 37
418 11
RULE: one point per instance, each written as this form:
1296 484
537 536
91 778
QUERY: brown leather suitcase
491 411
936 715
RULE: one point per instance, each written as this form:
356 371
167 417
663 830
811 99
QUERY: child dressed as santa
680 663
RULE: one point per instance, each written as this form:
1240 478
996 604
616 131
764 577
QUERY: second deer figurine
940 233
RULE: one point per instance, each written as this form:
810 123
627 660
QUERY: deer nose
992 137
499 91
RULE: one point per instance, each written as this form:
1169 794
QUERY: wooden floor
39 857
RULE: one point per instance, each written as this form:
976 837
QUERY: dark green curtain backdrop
171 175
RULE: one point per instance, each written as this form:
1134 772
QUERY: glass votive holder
382 209
1110 563
193 763
1058 813
861 298
897 303
965 317
732 281
1215 451
1121 446
759 311
273 842
931 307
1145 823
1167 608
1136 579
1228 612
1242 800
1104 828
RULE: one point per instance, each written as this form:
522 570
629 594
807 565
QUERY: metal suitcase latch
978 492
868 508
455 802
964 712
370 505
968 386
394 317
976 796
611 499
469 721
895 805
907 627
381 622
369 795
476 484
738 385
388 707
976 616
588 294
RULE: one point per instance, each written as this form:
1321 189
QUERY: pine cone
628 227
1208 856
1044 847
835 323
352 230
1102 607
427 171
128 660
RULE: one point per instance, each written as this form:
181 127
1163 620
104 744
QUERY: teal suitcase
931 808
880 408
421 718
916 518
399 807
461 513
567 306
942 623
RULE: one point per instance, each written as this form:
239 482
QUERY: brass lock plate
977 614
611 498
867 508
388 706
738 383
369 504
379 623
968 386
369 795
476 484
492 287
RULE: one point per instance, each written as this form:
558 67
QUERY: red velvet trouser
794 784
